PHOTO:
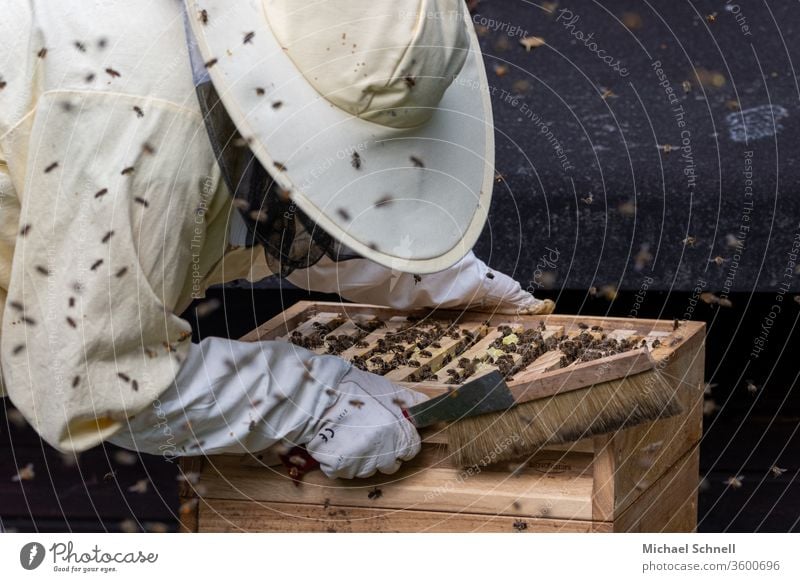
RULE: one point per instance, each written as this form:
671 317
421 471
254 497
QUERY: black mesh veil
291 240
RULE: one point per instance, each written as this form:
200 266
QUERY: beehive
642 478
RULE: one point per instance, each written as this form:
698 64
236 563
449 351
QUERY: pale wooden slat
244 516
433 489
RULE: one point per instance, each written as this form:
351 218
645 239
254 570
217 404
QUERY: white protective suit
113 217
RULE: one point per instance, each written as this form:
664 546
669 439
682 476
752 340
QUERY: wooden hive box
643 478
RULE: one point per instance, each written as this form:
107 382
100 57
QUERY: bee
418 163
248 37
127 171
18 349
43 270
142 201
101 193
107 236
500 70
343 213
796 298
355 161
112 73
384 201
79 45
751 387
588 200
42 53
211 63
51 167
139 111
689 241
148 149
709 407
25 230
735 482
687 86
279 166
607 94
417 279
356 403
135 385
277 104
71 322
666 148
375 493
76 381
520 525
711 18
139 487
204 16
719 261
25 473
102 43
89 77
121 272
96 265
489 275
675 324
777 471
260 91
410 81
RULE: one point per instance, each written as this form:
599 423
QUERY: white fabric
264 399
85 344
412 199
469 284
360 54
236 397
364 431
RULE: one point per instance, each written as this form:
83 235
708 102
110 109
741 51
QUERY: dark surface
640 195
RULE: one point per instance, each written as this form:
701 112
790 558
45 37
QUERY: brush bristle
563 418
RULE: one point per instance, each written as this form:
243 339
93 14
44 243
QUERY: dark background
618 217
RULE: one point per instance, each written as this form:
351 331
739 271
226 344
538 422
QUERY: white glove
238 397
469 284
364 431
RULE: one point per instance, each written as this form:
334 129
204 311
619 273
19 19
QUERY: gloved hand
469 284
364 431
267 397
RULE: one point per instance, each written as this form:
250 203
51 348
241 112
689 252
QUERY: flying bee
777 471
735 481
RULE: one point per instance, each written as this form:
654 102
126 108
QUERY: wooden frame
642 478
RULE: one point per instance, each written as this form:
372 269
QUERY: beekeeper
148 151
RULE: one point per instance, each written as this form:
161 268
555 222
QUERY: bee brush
489 418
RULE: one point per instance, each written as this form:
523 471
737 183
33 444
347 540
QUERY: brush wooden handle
529 386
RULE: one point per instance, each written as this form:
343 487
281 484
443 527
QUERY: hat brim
414 200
